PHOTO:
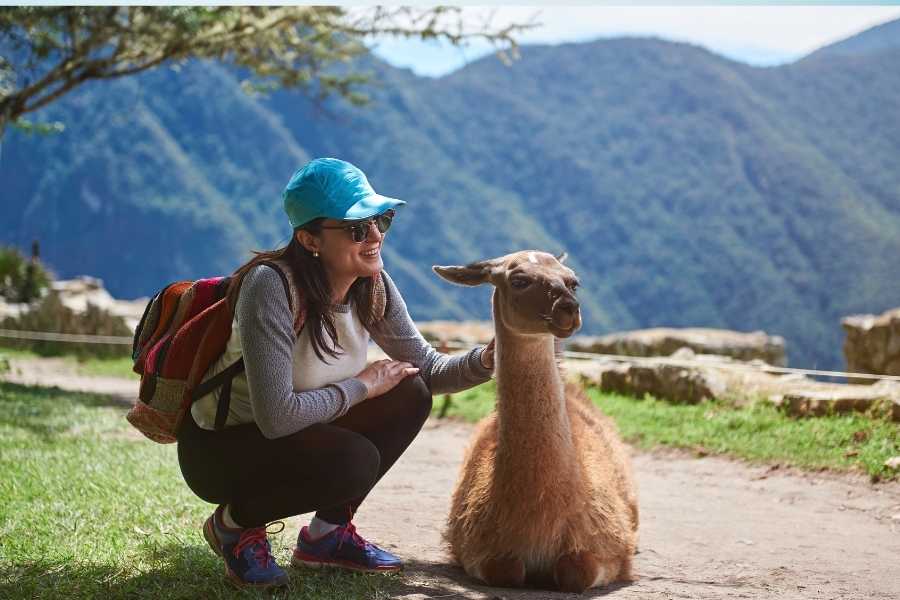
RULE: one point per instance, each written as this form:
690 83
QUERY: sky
758 35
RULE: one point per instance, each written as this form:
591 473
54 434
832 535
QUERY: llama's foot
578 571
503 572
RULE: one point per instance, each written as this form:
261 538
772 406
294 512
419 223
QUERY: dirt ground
710 527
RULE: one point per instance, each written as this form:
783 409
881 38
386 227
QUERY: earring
316 253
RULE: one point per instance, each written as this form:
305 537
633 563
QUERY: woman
309 426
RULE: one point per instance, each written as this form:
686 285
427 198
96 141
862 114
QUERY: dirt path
62 373
710 527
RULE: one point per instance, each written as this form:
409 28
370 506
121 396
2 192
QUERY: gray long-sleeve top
263 333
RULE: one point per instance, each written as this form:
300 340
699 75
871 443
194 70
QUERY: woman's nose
374 233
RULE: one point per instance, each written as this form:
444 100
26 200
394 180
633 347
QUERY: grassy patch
89 509
102 367
108 367
470 405
759 432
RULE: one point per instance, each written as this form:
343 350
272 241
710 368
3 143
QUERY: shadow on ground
442 580
174 571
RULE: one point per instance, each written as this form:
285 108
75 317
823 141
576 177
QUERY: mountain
876 39
688 189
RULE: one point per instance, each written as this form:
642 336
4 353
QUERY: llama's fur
545 495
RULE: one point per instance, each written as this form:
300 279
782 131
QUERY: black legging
327 467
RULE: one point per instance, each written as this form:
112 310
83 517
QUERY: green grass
108 367
89 509
760 432
104 367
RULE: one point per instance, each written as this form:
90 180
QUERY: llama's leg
503 572
578 571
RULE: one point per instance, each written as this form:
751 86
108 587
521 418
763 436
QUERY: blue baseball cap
332 188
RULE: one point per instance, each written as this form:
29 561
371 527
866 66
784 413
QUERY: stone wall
666 341
872 344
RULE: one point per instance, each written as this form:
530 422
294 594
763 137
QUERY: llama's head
534 291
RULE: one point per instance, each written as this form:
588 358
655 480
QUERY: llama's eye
520 283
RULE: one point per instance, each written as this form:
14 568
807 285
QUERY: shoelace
355 538
258 537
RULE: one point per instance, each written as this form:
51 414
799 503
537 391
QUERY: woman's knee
362 463
324 452
355 463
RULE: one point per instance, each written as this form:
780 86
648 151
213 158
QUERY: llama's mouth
564 332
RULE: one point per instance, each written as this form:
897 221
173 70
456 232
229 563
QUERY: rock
872 344
823 399
666 341
466 332
682 385
76 294
686 377
12 309
893 462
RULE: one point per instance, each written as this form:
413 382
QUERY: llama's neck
534 426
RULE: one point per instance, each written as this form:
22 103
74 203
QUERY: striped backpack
184 329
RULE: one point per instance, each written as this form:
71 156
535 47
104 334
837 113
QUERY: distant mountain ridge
875 39
689 190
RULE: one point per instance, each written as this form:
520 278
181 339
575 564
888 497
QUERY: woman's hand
383 375
487 356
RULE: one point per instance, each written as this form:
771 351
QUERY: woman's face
345 259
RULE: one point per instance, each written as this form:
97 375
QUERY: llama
545 496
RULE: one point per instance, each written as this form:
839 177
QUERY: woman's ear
307 240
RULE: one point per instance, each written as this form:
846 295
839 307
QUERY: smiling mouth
372 253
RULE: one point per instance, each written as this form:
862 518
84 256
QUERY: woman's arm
398 336
265 323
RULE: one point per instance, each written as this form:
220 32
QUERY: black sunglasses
359 230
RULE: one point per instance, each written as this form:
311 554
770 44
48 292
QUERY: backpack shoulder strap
379 297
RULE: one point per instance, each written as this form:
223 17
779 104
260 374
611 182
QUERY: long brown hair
312 282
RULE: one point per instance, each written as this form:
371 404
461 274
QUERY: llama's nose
565 312
567 304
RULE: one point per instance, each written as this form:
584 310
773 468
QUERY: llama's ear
471 274
562 257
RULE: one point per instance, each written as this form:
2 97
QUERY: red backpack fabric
184 329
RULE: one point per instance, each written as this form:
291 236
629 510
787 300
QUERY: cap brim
371 206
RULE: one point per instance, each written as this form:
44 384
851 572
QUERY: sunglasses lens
359 232
383 221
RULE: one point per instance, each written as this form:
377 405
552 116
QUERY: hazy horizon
756 35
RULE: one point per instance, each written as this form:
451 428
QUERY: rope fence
77 338
709 363
127 341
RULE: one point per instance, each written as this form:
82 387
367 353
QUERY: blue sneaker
247 553
343 548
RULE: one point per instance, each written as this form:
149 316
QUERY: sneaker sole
210 537
232 578
303 561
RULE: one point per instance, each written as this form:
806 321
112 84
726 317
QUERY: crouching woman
309 427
